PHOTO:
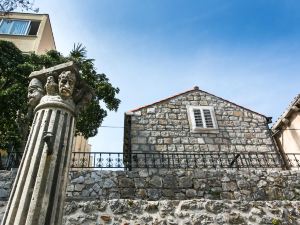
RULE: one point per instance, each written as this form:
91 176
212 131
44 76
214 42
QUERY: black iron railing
293 160
184 160
97 160
178 160
10 160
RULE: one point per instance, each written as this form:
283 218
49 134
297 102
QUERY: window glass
19 27
5 26
16 27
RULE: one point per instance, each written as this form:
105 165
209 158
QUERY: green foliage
13 84
14 71
91 119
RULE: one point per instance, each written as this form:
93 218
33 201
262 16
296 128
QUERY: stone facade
164 126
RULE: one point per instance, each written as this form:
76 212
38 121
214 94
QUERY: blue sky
245 51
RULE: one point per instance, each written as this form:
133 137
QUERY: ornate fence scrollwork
167 160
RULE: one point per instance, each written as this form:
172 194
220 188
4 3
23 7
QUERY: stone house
196 121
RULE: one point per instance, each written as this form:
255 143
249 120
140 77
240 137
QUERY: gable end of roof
195 89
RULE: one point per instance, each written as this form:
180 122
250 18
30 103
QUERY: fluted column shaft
38 194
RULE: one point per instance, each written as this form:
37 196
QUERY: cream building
33 33
29 32
287 131
80 158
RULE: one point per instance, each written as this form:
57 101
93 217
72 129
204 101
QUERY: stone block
78 180
152 140
141 193
3 193
200 141
156 181
191 193
85 193
79 187
151 110
169 181
139 182
185 182
168 193
168 141
109 183
154 194
227 195
96 188
126 182
70 187
127 193
229 186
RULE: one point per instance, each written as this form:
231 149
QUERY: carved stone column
38 193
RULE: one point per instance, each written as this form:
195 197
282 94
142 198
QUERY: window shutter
208 118
198 118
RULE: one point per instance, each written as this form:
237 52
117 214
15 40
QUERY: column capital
59 86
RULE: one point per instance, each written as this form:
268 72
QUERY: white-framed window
202 119
18 27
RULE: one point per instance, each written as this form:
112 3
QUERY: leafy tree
14 71
7 6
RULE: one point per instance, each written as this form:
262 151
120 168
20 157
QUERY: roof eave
290 110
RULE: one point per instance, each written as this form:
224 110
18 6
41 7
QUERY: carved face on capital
35 92
66 84
51 86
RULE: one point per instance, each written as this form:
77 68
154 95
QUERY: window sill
18 35
205 131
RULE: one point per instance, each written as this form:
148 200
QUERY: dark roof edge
191 90
286 113
26 13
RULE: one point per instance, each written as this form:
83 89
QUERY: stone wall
181 185
188 212
6 182
176 212
164 126
177 185
179 197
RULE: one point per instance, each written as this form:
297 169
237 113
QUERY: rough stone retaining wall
216 197
176 212
6 182
187 212
176 185
182 185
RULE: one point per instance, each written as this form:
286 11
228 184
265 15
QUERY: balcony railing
183 160
166 160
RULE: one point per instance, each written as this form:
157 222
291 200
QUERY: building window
19 27
202 119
